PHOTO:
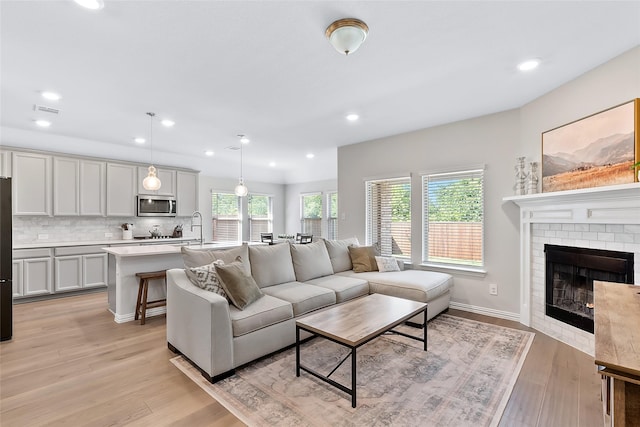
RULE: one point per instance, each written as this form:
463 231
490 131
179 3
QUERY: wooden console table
617 345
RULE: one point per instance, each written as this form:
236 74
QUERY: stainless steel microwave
155 205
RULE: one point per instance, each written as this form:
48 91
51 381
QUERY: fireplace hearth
569 276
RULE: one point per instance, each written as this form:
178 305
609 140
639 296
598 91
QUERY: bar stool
142 304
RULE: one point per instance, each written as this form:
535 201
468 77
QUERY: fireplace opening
569 276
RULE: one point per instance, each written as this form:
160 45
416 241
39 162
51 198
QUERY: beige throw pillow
238 284
363 258
387 263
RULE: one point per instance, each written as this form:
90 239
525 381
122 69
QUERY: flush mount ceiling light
51 96
241 190
347 35
151 182
91 4
529 65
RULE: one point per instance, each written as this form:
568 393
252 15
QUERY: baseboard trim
485 311
123 318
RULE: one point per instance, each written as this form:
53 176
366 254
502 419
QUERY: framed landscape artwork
594 151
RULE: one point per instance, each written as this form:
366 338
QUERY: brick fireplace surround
598 218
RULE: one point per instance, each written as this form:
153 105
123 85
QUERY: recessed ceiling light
139 140
43 123
168 123
353 117
209 153
51 96
529 65
91 4
272 164
310 156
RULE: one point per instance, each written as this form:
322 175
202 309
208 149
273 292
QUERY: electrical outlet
108 234
493 289
43 236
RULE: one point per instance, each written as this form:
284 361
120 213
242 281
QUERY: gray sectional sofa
295 279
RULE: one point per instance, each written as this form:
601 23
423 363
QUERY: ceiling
265 69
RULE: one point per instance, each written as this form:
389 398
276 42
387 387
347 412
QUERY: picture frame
594 151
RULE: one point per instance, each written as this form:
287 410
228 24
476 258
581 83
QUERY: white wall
495 140
207 184
489 140
293 192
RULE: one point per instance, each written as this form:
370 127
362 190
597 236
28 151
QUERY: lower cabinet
32 272
79 268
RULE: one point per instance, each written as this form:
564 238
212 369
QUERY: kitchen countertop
48 244
136 251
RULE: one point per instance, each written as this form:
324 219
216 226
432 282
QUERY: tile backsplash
32 229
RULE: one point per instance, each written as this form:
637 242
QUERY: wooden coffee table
355 323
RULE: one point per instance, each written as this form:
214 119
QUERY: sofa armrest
198 324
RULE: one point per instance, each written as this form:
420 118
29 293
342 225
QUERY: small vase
127 234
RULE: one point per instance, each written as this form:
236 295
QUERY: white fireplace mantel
619 204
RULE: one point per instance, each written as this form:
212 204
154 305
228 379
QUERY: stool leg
143 309
139 301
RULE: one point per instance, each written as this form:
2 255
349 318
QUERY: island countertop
137 251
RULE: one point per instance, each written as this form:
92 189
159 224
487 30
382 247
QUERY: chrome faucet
195 215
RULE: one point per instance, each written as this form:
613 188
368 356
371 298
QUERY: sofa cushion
345 287
339 253
304 298
271 264
416 285
238 284
197 258
264 312
387 263
311 261
206 278
363 258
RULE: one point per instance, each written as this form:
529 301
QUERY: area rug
464 379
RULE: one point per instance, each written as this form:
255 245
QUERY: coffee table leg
353 377
424 328
297 351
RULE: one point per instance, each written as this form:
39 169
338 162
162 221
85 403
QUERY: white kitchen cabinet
68 273
94 270
92 188
167 180
187 193
5 163
121 186
66 186
16 278
36 274
31 184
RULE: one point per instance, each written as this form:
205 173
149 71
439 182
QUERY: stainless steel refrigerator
6 285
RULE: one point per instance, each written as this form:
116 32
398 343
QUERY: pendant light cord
151 115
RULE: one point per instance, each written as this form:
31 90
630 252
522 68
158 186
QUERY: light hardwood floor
70 364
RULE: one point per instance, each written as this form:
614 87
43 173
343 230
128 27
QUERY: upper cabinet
93 188
121 184
31 184
167 179
5 163
187 194
66 186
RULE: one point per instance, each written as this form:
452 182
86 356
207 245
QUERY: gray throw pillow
339 253
205 277
311 261
198 257
240 287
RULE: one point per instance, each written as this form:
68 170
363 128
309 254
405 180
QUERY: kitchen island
123 264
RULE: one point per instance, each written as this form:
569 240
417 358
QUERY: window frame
318 221
269 218
332 221
214 217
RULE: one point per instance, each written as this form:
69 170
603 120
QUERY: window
225 214
311 208
332 216
389 216
260 216
453 213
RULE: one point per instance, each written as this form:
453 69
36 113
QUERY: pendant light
241 190
151 182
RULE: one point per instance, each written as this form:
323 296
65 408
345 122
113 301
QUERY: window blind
389 216
453 214
260 216
311 214
332 216
225 214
